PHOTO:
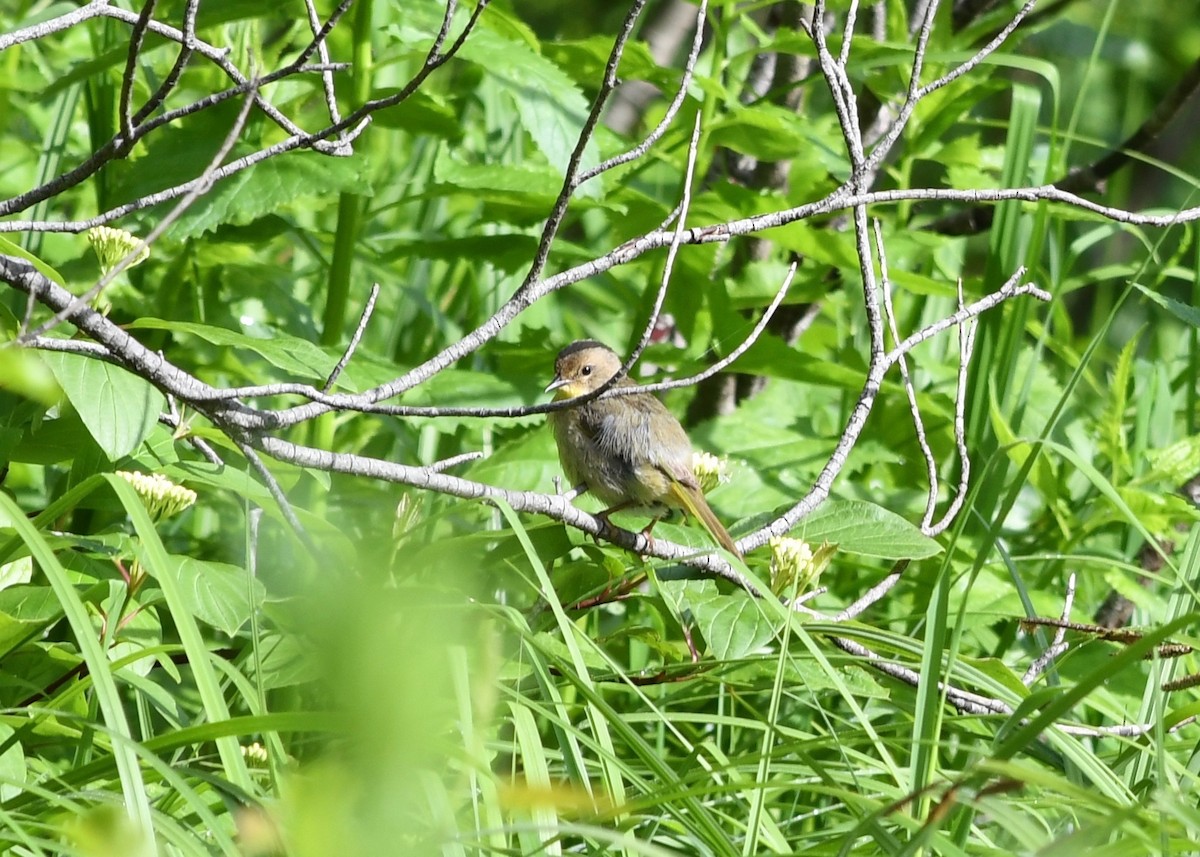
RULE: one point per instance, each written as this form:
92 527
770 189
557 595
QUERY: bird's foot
646 534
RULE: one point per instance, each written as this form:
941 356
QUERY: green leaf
733 625
763 131
8 248
1178 462
421 113
289 353
1183 312
525 185
856 526
218 594
24 374
24 611
106 695
269 187
549 106
118 408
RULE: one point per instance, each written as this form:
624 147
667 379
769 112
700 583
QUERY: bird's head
582 367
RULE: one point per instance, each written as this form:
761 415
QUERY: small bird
629 450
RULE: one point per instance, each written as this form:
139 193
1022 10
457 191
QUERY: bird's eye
586 370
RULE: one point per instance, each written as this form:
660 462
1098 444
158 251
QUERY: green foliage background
416 678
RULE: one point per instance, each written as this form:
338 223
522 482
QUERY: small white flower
162 497
710 470
795 566
113 245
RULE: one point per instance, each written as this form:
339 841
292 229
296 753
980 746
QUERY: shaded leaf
118 408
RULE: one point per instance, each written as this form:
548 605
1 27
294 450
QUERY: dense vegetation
287 619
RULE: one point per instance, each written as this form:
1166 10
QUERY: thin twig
931 467
204 183
966 348
363 320
136 39
668 117
276 491
1057 647
314 24
559 210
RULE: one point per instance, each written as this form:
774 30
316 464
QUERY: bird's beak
557 384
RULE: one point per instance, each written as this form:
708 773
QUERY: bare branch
136 38
203 184
669 117
966 348
363 320
276 491
931 467
570 181
1058 646
314 24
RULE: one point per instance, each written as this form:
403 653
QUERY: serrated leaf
421 113
549 106
118 408
268 187
512 184
1178 462
1185 313
856 526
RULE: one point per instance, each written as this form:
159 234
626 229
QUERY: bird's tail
693 502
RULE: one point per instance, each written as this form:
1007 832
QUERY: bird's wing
670 450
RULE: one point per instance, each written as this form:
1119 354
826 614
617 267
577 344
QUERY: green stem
350 205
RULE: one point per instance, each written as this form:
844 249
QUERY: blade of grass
137 803
211 697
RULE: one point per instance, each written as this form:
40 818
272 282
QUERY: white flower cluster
255 753
793 565
710 470
162 497
113 245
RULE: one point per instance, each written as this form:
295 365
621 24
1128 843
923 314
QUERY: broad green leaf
585 60
289 353
508 252
529 185
216 593
24 611
269 187
552 645
12 763
8 248
549 106
763 131
100 672
1178 462
863 528
22 373
118 408
53 441
422 113
733 625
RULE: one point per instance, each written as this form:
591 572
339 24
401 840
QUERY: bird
629 450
